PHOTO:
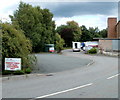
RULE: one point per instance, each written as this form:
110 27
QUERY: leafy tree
86 36
70 32
36 23
59 43
89 34
94 32
76 30
15 44
103 33
65 33
0 46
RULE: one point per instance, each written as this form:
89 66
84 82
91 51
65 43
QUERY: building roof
106 39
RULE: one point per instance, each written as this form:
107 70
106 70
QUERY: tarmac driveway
51 63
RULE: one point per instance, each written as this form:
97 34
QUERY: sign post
12 64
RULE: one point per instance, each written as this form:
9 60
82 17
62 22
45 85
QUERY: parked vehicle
89 45
76 46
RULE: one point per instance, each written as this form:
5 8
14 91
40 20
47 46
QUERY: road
98 80
52 63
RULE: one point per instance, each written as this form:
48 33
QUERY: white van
76 46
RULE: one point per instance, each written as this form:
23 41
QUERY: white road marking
65 91
113 76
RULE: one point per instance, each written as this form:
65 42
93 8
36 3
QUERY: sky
88 13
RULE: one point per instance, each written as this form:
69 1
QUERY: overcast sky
90 14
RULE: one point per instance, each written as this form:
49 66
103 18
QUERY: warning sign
12 64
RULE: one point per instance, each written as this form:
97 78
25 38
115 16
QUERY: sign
13 64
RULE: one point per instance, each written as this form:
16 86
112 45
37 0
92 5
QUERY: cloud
90 14
99 21
7 8
69 9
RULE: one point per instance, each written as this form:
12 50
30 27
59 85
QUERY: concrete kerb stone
111 54
21 76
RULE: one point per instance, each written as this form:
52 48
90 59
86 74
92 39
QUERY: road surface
52 63
98 80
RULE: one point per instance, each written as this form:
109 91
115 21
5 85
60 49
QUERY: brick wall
105 45
118 29
112 33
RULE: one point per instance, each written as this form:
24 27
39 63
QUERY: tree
86 36
59 43
36 23
65 33
103 33
76 30
94 32
70 32
89 34
15 44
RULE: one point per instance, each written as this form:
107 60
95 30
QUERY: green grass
67 48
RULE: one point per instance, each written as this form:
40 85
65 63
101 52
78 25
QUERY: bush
6 72
15 44
59 43
92 51
18 72
28 70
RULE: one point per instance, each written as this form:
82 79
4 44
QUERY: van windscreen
75 45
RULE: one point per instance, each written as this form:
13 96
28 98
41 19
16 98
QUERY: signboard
12 64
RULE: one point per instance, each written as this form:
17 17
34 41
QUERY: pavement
97 80
114 54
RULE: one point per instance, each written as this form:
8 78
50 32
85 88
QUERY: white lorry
76 46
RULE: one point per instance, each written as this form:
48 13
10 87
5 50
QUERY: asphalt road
52 63
99 80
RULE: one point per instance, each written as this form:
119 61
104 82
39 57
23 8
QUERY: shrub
18 72
28 70
92 51
15 44
59 43
6 72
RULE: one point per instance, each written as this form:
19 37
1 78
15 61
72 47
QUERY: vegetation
28 70
18 72
6 72
92 51
70 32
37 25
89 34
32 28
15 45
59 43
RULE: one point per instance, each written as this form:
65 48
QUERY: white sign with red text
12 64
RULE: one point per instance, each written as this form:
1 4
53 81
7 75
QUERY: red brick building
112 42
118 29
113 28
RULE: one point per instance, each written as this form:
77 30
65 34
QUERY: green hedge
92 51
28 70
18 72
